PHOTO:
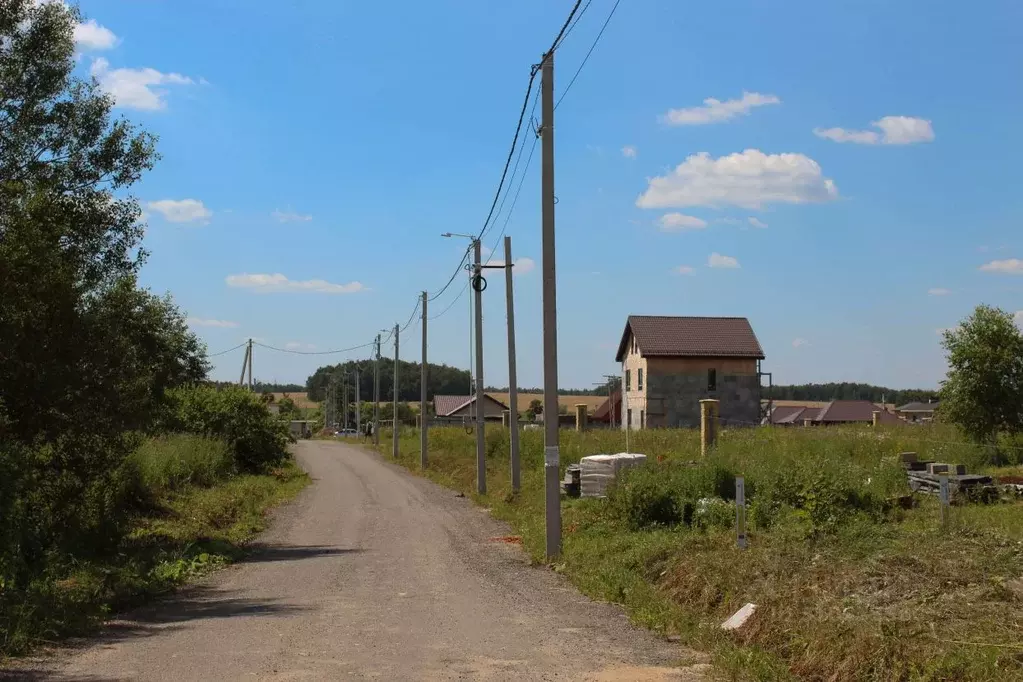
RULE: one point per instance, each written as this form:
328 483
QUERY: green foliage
669 493
173 462
850 391
441 379
235 415
983 392
287 409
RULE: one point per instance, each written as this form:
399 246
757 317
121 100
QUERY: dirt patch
508 539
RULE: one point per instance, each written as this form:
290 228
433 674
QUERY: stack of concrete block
597 471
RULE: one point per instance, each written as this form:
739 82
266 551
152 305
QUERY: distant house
834 412
917 411
610 411
669 364
453 406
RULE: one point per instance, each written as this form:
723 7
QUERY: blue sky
332 142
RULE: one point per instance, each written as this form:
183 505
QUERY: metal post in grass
740 511
944 499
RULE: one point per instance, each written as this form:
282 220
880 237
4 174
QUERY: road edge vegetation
123 472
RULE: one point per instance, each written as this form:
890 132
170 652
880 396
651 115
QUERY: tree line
441 380
850 391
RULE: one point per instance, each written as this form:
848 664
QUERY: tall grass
850 586
175 461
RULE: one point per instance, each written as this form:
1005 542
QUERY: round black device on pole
479 283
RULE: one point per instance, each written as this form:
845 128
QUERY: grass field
849 585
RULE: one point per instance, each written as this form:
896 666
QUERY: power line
412 316
572 27
225 352
594 45
522 115
461 264
450 305
308 352
511 209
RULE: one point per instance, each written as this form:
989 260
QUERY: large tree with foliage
85 355
983 392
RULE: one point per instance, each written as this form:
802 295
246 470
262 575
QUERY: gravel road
373 573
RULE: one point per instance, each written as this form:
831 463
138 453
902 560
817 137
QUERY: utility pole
344 401
610 392
551 454
422 396
394 422
250 364
513 387
358 403
245 364
376 397
481 453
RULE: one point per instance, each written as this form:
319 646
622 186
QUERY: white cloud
1009 266
799 343
894 130
684 270
676 222
136 88
716 111
264 283
716 260
200 322
629 152
291 217
756 222
91 36
183 211
749 179
938 291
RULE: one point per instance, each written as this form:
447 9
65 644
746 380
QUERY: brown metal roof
660 335
854 411
603 412
793 414
444 405
918 407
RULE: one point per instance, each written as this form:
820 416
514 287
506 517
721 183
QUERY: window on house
628 380
639 379
642 419
712 380
630 418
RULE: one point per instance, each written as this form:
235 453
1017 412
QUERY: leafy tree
983 392
442 379
535 408
85 355
287 409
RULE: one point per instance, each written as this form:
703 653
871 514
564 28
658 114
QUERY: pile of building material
925 477
597 471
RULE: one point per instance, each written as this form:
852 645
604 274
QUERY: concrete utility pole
481 451
513 387
344 400
394 422
376 397
358 403
551 454
422 396
250 364
245 364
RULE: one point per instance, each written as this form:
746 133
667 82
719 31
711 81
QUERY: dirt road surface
373 573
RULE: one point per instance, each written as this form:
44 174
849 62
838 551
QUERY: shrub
174 461
644 497
257 439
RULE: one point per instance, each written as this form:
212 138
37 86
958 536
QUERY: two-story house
669 364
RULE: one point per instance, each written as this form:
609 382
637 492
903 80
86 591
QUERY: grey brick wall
673 400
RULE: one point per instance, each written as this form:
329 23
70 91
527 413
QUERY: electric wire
572 27
287 350
522 115
450 305
515 200
583 63
461 264
229 350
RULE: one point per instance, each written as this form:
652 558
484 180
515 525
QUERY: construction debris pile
925 477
